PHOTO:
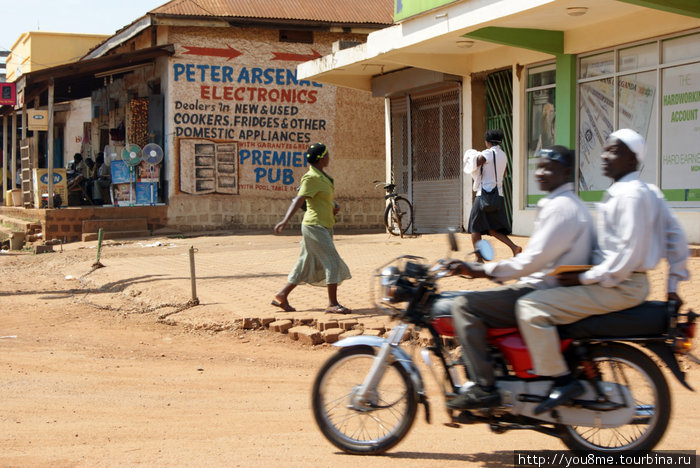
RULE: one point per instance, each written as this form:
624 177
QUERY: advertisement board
41 184
8 94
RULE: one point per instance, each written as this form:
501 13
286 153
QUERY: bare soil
88 386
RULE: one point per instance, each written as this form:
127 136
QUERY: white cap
633 140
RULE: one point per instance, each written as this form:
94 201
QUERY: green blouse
318 187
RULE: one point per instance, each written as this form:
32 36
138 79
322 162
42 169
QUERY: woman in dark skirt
486 169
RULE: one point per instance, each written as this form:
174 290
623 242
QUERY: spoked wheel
362 427
627 366
398 217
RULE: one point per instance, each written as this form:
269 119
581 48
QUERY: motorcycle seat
648 319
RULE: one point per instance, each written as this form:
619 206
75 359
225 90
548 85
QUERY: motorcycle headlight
388 278
395 288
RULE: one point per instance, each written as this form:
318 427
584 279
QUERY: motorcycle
365 397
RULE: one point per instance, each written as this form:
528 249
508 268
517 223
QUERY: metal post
193 278
97 263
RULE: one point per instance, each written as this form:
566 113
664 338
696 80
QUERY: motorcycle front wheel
627 366
369 427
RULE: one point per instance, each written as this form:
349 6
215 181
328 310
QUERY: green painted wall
406 8
565 101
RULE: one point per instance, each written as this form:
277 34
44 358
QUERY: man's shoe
475 397
560 395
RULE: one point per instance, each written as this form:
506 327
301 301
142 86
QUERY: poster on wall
208 166
680 129
241 118
596 123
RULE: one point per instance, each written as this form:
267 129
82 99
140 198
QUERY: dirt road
83 386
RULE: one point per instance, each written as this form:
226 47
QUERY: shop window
681 48
597 65
623 88
540 94
680 133
291 35
635 58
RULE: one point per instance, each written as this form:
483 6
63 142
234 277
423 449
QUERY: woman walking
486 169
319 263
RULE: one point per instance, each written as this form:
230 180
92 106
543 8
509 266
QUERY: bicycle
398 215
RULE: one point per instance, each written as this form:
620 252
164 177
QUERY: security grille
400 167
426 154
499 114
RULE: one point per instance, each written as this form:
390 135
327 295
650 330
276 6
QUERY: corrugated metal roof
327 11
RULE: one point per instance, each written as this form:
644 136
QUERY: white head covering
633 140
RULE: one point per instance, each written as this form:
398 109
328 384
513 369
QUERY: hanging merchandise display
138 122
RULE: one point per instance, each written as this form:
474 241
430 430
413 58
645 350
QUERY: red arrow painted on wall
296 57
229 51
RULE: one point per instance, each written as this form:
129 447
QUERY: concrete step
92 236
15 224
124 224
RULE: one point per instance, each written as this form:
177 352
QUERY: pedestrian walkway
237 276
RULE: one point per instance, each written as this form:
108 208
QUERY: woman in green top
319 263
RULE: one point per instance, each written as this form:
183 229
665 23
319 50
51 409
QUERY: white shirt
635 230
488 178
563 235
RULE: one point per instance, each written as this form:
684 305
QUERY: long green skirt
319 263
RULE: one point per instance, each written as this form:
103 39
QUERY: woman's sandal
337 309
283 305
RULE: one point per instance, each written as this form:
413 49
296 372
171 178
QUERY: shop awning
78 79
456 38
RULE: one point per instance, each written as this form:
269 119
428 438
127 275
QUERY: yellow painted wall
36 50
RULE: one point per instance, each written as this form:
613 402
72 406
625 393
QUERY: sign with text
680 129
37 120
41 184
8 94
237 91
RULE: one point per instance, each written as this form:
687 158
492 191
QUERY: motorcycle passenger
635 229
563 235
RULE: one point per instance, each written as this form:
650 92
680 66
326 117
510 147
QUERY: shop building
545 71
214 85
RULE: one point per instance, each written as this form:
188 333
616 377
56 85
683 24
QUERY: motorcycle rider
563 235
635 229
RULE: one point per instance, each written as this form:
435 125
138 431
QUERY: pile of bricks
312 331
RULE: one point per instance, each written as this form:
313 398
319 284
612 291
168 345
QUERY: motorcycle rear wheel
628 366
371 429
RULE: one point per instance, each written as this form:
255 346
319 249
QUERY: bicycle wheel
369 427
398 217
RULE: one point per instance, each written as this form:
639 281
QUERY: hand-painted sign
228 52
266 110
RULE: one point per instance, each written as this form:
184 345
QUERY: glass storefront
541 121
653 88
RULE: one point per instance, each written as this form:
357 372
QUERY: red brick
326 324
347 324
281 326
350 333
331 335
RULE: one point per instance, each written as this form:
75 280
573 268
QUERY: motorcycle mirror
484 248
452 238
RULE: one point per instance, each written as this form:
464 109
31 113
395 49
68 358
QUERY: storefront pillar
50 147
14 150
565 100
4 157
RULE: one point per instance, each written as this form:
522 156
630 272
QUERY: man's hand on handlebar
458 267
